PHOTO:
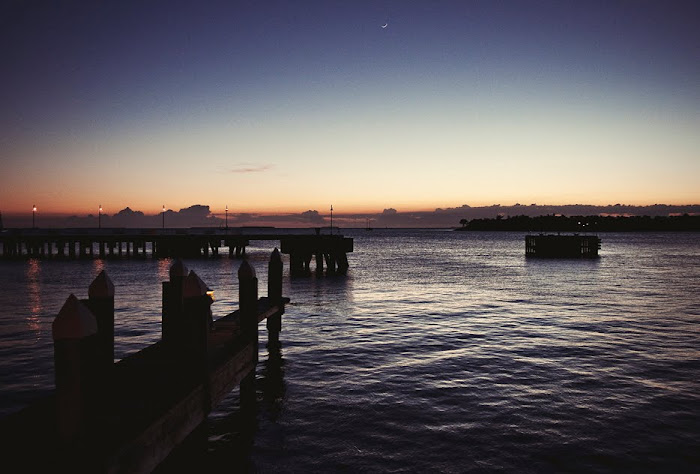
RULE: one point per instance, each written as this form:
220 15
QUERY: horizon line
216 213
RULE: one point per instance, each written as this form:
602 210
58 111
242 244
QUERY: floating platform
562 246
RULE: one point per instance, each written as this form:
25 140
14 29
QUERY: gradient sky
286 106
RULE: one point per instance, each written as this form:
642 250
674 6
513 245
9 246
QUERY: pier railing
126 417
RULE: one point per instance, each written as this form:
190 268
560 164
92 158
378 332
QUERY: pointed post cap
193 286
178 269
246 271
101 287
275 257
74 321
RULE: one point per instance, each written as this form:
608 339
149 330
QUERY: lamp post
99 217
331 219
163 216
226 216
34 216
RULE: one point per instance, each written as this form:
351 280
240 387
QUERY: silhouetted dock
562 246
163 243
127 417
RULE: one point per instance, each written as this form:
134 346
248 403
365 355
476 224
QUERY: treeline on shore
559 223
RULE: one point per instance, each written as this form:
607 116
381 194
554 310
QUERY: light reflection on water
34 297
440 351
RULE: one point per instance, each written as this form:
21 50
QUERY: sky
283 107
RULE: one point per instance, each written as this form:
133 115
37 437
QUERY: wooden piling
319 263
248 301
101 303
73 331
330 263
274 293
172 303
193 341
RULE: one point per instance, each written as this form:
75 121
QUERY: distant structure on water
562 246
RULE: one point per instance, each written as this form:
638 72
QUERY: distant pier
562 246
164 243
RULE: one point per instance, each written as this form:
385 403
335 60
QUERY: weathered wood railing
127 417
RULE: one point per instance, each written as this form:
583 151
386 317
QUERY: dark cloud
313 216
242 218
250 168
198 210
126 218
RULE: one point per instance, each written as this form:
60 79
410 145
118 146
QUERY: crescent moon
385 25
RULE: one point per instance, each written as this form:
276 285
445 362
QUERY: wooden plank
152 446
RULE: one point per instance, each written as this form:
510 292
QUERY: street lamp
34 216
226 216
99 217
331 219
163 216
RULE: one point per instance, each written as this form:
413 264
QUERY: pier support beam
319 264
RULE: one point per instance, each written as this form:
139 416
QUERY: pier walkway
127 417
164 243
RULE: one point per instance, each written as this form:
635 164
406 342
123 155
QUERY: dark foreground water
440 351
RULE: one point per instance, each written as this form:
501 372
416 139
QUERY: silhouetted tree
559 223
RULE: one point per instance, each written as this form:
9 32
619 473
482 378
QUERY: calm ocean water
440 351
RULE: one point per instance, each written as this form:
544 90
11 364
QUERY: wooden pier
164 243
562 246
127 417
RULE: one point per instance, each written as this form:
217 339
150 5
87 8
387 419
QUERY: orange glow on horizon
340 210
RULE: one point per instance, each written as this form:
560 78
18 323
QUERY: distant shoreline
553 223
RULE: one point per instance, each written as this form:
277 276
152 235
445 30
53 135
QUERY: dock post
73 333
274 294
195 325
101 303
172 302
248 302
